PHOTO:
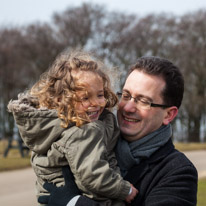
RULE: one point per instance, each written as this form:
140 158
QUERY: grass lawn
15 161
201 195
190 146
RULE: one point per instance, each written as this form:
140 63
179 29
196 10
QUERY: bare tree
119 39
190 52
75 27
124 38
10 69
41 46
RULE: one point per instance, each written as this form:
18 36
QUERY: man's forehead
139 82
136 76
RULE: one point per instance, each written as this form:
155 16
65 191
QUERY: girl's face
91 101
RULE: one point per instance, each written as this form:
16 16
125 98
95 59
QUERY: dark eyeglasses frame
151 104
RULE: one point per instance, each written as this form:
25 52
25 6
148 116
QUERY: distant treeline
118 39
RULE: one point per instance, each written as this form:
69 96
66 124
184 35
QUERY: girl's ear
170 114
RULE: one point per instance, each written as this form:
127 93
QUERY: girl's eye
100 96
84 98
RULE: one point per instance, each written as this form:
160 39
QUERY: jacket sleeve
87 156
84 201
177 188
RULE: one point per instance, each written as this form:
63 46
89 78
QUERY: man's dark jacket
167 178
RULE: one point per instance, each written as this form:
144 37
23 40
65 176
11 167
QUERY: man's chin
128 134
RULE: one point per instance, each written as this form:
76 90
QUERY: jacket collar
137 171
162 152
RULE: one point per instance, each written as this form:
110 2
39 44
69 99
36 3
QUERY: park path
17 188
198 158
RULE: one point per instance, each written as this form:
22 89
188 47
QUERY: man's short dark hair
173 92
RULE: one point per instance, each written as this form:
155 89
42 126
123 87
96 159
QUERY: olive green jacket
89 150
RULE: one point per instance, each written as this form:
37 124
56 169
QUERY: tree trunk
194 129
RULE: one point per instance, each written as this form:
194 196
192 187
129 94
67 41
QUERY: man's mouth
130 120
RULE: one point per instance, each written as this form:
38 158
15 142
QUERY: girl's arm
86 153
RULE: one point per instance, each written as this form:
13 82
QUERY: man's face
135 122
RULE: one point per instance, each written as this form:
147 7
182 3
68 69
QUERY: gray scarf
129 154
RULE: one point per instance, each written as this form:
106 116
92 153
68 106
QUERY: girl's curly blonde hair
57 88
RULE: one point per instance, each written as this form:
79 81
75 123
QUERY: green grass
190 146
13 159
11 163
201 195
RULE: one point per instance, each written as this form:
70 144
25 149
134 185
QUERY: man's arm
84 201
62 196
178 188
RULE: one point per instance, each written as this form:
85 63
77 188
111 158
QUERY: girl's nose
94 101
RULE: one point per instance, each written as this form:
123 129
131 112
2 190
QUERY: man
149 101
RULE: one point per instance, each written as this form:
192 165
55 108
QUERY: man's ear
170 114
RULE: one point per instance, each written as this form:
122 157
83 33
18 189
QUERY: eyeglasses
140 102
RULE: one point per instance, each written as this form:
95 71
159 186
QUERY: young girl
64 119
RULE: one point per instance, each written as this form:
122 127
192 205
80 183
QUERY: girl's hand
132 195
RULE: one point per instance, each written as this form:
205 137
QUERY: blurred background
32 33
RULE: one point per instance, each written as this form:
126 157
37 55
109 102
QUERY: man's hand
60 196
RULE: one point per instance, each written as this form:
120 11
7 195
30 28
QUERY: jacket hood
38 128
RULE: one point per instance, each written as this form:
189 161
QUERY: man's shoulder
160 172
178 160
179 156
168 160
174 163
171 156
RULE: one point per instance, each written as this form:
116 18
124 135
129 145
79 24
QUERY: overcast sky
20 12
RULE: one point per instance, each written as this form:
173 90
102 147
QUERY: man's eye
126 96
144 101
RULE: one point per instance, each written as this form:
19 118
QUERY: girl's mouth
94 115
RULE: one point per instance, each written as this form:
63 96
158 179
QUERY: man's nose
130 106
